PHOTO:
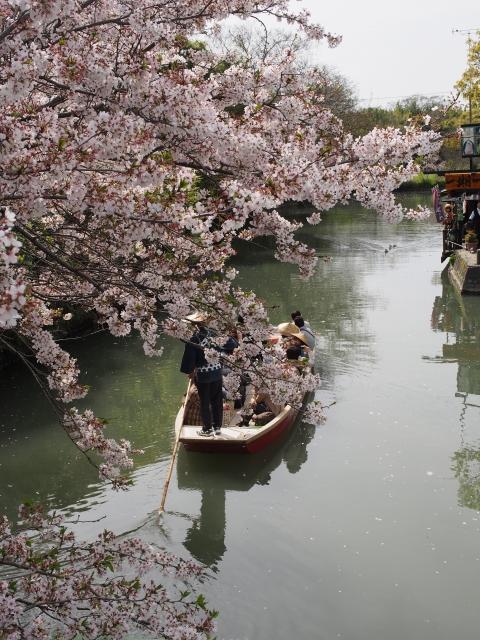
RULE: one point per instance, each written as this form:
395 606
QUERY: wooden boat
234 438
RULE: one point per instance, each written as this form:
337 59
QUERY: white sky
396 49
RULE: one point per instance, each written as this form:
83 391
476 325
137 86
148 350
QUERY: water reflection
459 318
215 476
205 540
138 396
337 299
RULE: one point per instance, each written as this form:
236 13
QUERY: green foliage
162 157
196 45
444 118
170 190
423 181
231 299
469 83
361 121
221 67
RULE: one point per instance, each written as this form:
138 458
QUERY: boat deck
242 439
190 432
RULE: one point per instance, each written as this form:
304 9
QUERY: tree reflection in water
459 317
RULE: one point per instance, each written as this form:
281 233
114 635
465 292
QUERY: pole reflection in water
216 475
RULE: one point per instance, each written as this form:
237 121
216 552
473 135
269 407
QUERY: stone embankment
464 273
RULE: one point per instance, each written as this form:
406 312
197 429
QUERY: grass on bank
423 181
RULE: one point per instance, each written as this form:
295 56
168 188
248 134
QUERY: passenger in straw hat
293 337
287 329
207 376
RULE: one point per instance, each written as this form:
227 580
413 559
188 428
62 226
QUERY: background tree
397 114
444 115
254 46
469 83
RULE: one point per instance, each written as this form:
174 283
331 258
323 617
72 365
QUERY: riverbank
464 272
422 182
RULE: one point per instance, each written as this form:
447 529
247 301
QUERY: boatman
207 376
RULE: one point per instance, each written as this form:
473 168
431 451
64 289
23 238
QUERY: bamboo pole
174 456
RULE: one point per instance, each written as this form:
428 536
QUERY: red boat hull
214 445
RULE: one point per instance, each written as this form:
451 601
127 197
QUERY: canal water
365 528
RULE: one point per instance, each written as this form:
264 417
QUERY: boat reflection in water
215 475
459 318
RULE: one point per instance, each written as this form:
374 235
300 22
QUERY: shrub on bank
423 181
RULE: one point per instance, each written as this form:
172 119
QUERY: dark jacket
194 357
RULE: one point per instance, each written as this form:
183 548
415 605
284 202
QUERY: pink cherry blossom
132 157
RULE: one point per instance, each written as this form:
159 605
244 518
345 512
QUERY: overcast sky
396 49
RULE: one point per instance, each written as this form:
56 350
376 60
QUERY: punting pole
174 456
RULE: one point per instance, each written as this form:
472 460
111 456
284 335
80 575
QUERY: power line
466 30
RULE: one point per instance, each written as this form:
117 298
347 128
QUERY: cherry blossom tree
104 588
132 157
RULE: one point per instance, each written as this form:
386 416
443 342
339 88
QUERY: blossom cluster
12 287
60 579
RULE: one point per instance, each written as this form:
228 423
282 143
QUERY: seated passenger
296 358
306 331
293 337
293 353
293 342
261 410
